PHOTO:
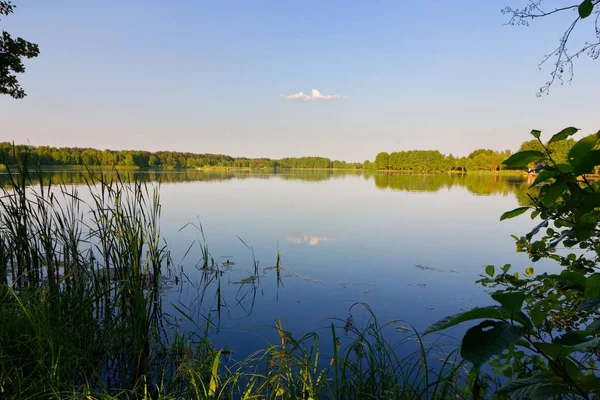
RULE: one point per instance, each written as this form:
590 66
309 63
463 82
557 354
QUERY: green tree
558 150
382 161
462 164
451 162
12 52
127 159
153 161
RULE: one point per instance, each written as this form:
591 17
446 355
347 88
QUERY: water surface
411 246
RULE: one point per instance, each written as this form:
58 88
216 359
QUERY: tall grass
80 283
81 272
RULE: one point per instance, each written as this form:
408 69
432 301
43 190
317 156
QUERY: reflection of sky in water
344 240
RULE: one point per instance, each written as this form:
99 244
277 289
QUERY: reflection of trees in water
523 192
478 184
74 177
475 183
315 175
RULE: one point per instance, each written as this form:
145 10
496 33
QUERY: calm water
409 246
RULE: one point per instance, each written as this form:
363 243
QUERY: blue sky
213 77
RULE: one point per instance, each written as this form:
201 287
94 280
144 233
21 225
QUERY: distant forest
418 161
479 160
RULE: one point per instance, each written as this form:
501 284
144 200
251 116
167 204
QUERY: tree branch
563 59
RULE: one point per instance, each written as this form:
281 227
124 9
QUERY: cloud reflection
311 240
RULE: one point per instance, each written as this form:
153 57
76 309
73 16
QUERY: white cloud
313 96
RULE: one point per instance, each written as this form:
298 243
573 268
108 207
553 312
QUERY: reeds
79 283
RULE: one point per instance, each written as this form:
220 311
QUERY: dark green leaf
574 370
522 158
588 162
513 213
585 8
476 313
589 203
550 391
490 270
544 176
523 319
565 168
593 328
562 135
488 339
571 276
555 350
523 388
589 304
581 148
538 316
552 192
536 134
592 286
510 301
571 338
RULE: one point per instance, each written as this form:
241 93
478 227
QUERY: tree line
415 161
69 156
424 161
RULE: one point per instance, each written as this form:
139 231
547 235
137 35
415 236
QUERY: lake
410 246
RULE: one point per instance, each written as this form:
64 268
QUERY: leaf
529 271
555 350
543 176
585 8
550 391
565 168
536 134
581 148
572 277
490 270
570 338
488 339
506 268
494 312
523 319
589 304
510 301
214 376
513 213
587 345
552 193
592 286
524 387
588 162
562 135
537 316
522 158
593 328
